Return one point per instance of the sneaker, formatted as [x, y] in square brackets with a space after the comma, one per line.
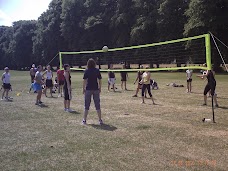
[83, 122]
[59, 95]
[101, 122]
[40, 102]
[37, 104]
[70, 110]
[135, 96]
[66, 110]
[217, 105]
[204, 104]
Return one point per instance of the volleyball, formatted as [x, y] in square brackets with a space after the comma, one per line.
[105, 48]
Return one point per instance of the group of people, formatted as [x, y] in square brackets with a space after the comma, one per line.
[92, 85]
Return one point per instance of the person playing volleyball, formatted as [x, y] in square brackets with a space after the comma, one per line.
[211, 85]
[37, 85]
[189, 80]
[67, 88]
[92, 87]
[6, 83]
[49, 82]
[146, 85]
[138, 78]
[60, 81]
[111, 79]
[124, 77]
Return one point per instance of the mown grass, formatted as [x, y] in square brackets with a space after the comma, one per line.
[166, 136]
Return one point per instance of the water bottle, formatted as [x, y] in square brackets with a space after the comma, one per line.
[206, 120]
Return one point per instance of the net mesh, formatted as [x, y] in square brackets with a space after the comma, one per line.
[162, 56]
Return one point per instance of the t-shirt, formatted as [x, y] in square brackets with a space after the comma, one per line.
[38, 77]
[92, 75]
[145, 77]
[111, 74]
[33, 71]
[49, 75]
[6, 78]
[189, 73]
[60, 74]
[123, 74]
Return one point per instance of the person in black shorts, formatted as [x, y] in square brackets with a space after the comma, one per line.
[67, 88]
[138, 78]
[211, 85]
[124, 77]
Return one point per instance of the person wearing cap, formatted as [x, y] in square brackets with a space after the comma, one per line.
[6, 83]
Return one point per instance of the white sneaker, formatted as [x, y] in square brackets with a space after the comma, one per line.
[66, 110]
[59, 95]
[70, 110]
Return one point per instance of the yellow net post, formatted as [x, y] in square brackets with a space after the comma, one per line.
[208, 51]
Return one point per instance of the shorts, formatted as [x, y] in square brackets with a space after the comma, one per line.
[7, 86]
[66, 93]
[209, 87]
[61, 82]
[139, 86]
[96, 99]
[189, 80]
[111, 81]
[37, 87]
[32, 78]
[49, 84]
[124, 79]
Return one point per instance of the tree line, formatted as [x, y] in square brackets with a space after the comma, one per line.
[76, 25]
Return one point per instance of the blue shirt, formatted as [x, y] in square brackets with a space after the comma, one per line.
[92, 75]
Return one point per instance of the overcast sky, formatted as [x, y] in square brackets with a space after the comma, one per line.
[14, 10]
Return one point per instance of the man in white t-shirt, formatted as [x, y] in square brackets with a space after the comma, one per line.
[6, 83]
[189, 80]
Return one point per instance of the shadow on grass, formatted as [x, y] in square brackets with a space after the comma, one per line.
[43, 106]
[223, 107]
[74, 112]
[105, 127]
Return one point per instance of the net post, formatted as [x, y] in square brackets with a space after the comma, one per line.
[208, 51]
[60, 61]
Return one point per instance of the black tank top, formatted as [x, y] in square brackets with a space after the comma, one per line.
[65, 82]
[211, 78]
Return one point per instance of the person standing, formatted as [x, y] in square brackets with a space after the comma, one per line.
[32, 75]
[67, 88]
[37, 85]
[92, 87]
[6, 84]
[60, 81]
[211, 86]
[111, 79]
[189, 80]
[49, 82]
[138, 78]
[146, 85]
[124, 77]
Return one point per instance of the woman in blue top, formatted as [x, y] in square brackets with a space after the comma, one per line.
[92, 87]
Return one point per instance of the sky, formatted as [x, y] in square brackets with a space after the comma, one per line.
[15, 10]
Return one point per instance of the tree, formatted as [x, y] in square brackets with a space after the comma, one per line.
[204, 16]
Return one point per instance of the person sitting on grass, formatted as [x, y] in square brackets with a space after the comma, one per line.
[211, 86]
[6, 84]
[92, 87]
[138, 78]
[124, 77]
[146, 85]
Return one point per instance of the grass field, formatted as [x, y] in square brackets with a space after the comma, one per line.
[140, 137]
